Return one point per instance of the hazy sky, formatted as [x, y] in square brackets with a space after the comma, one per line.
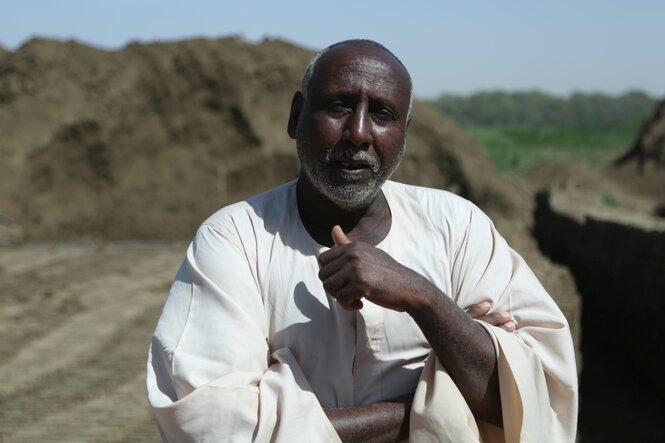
[461, 46]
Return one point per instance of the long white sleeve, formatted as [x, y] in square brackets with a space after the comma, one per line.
[210, 375]
[536, 363]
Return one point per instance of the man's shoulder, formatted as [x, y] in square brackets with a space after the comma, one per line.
[427, 197]
[439, 207]
[271, 201]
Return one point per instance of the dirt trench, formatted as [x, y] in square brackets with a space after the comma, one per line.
[618, 261]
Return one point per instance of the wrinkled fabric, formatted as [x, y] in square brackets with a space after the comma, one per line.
[249, 347]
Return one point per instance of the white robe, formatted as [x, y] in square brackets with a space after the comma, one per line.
[249, 347]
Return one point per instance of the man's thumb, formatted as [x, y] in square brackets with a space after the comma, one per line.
[339, 237]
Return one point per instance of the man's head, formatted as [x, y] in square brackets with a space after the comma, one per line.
[349, 121]
[309, 70]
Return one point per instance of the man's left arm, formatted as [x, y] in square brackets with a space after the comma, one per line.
[354, 270]
[534, 366]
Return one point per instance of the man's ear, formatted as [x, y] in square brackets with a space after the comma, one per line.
[294, 114]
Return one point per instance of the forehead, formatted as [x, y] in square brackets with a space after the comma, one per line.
[359, 68]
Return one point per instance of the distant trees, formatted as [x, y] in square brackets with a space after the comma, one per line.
[536, 108]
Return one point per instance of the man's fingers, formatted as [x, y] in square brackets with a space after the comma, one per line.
[330, 255]
[329, 268]
[352, 305]
[501, 319]
[334, 283]
[339, 237]
[509, 326]
[497, 318]
[477, 311]
[348, 299]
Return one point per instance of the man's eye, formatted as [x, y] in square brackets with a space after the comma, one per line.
[337, 106]
[383, 115]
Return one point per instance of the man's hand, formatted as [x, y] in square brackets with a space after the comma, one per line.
[351, 271]
[500, 319]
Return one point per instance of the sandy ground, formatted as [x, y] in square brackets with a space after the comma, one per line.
[75, 323]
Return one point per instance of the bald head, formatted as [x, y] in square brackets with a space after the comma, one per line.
[370, 49]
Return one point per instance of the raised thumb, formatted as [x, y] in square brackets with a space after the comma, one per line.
[339, 237]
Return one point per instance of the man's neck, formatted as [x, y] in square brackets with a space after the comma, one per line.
[369, 224]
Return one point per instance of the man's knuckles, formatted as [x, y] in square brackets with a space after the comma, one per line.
[333, 284]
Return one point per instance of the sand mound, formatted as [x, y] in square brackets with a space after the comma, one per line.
[649, 146]
[642, 168]
[144, 142]
[147, 141]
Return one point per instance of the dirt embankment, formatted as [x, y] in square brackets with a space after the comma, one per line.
[648, 149]
[147, 141]
[641, 170]
[618, 261]
[608, 228]
[144, 142]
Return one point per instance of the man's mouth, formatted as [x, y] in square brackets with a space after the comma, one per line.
[353, 165]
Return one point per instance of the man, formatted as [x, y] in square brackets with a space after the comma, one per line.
[315, 311]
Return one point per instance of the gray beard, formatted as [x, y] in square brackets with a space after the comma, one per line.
[349, 195]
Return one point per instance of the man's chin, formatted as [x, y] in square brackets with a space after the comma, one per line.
[351, 196]
[347, 193]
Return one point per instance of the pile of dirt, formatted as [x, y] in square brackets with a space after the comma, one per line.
[648, 150]
[147, 141]
[642, 168]
[144, 142]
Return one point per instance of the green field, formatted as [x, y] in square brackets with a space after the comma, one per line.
[521, 129]
[517, 150]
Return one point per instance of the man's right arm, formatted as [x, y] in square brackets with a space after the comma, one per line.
[210, 375]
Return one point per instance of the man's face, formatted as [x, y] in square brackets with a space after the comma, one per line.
[351, 128]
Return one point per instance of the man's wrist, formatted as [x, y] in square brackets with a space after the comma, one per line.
[377, 422]
[423, 299]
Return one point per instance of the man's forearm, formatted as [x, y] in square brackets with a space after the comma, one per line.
[464, 348]
[386, 421]
[353, 271]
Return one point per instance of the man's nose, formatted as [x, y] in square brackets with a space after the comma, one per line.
[358, 127]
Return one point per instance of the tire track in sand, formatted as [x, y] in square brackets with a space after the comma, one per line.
[84, 380]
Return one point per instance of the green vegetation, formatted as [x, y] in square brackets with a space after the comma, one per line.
[516, 149]
[523, 129]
